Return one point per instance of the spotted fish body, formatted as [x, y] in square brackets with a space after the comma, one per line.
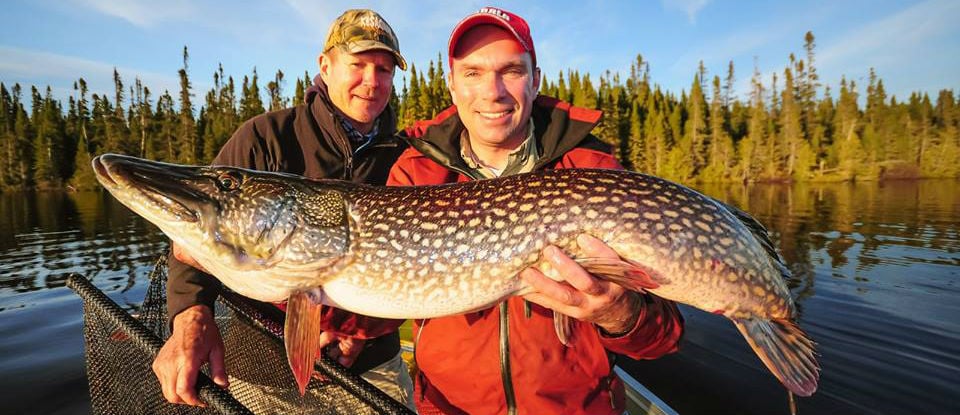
[440, 250]
[429, 251]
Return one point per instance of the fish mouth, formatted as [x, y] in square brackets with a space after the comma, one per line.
[162, 189]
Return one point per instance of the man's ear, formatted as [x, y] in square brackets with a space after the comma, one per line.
[450, 89]
[323, 61]
[536, 79]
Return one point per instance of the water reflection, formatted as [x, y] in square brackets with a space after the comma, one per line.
[875, 270]
[49, 235]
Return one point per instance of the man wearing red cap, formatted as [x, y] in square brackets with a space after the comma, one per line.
[507, 358]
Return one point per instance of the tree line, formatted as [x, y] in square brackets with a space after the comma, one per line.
[789, 128]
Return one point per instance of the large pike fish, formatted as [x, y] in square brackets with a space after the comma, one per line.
[429, 251]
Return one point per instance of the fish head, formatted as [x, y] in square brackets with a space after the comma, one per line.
[230, 219]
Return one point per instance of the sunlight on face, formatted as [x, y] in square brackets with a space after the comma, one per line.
[493, 83]
[359, 84]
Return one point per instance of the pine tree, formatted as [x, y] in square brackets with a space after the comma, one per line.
[546, 89]
[638, 85]
[167, 119]
[582, 91]
[439, 86]
[922, 126]
[728, 86]
[945, 157]
[143, 116]
[430, 98]
[426, 106]
[250, 104]
[846, 151]
[114, 132]
[43, 163]
[187, 129]
[411, 99]
[695, 131]
[8, 166]
[799, 156]
[298, 92]
[83, 176]
[636, 156]
[100, 115]
[563, 93]
[275, 92]
[822, 136]
[400, 104]
[678, 166]
[749, 148]
[608, 130]
[656, 134]
[720, 156]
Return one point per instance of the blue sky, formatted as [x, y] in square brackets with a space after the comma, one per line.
[914, 45]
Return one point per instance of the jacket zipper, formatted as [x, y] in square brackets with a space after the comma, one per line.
[346, 148]
[367, 146]
[505, 360]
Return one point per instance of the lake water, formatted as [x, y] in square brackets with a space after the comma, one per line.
[876, 270]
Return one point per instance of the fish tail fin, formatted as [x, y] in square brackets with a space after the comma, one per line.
[563, 326]
[301, 336]
[786, 350]
[628, 274]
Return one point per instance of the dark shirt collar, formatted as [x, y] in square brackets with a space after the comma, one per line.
[357, 138]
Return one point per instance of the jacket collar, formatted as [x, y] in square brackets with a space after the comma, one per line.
[560, 128]
[329, 119]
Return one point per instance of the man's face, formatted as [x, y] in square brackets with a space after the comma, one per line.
[493, 83]
[359, 84]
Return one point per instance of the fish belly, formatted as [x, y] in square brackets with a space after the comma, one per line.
[442, 296]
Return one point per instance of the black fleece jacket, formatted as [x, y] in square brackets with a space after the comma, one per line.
[308, 140]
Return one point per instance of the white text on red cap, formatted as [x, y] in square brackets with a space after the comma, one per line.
[496, 12]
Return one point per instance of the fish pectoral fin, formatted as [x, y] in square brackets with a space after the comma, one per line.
[563, 326]
[631, 275]
[786, 350]
[301, 335]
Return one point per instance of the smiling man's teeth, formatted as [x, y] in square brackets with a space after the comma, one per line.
[492, 115]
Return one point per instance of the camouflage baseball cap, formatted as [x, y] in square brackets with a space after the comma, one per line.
[360, 30]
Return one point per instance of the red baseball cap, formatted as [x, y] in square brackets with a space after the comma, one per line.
[498, 17]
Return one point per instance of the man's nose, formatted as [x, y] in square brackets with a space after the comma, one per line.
[492, 86]
[370, 76]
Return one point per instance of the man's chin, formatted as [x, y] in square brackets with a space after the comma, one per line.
[367, 112]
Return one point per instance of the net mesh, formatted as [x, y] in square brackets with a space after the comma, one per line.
[121, 379]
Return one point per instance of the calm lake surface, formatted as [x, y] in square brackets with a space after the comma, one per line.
[876, 270]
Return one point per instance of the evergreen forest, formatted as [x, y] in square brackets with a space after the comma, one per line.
[790, 127]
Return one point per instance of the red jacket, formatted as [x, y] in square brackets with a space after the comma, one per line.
[474, 364]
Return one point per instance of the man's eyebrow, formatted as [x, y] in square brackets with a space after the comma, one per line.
[507, 65]
[515, 64]
[466, 66]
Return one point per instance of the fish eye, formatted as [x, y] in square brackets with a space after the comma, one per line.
[226, 181]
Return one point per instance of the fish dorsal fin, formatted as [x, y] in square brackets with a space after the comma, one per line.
[762, 235]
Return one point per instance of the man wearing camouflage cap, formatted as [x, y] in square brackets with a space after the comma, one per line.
[343, 130]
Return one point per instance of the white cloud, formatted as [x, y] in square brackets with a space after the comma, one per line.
[429, 25]
[144, 13]
[690, 7]
[30, 67]
[316, 15]
[894, 39]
